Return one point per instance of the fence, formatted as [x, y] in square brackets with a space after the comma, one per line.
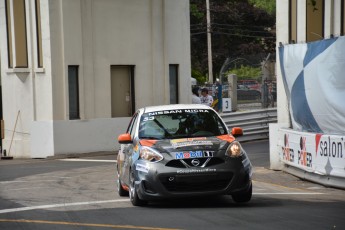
[247, 98]
[255, 124]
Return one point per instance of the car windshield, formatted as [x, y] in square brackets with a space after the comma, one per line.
[171, 124]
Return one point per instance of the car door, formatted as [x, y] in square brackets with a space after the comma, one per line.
[128, 149]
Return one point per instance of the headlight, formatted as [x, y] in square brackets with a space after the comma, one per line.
[234, 149]
[149, 154]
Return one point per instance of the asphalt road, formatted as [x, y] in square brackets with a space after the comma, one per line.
[80, 193]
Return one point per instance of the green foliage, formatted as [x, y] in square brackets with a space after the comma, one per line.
[267, 5]
[246, 72]
[194, 11]
[199, 76]
[239, 28]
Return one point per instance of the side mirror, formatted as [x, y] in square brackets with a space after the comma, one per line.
[237, 131]
[125, 138]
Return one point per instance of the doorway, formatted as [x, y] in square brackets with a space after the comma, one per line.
[122, 91]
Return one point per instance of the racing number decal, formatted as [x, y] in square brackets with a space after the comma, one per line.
[226, 104]
[148, 119]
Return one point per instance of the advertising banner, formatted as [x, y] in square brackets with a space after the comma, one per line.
[317, 153]
[313, 76]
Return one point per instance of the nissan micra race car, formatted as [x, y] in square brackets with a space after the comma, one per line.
[175, 151]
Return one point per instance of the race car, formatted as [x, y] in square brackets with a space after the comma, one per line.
[183, 150]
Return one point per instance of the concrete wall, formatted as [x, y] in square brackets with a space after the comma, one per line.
[282, 22]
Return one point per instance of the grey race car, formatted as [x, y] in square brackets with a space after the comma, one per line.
[174, 151]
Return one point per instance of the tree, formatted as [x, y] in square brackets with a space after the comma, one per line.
[246, 72]
[239, 28]
[267, 5]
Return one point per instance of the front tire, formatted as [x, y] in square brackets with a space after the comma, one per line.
[244, 196]
[133, 195]
[120, 190]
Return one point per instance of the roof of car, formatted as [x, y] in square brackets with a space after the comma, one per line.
[174, 107]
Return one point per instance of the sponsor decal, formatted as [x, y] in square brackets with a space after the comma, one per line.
[317, 141]
[304, 158]
[165, 112]
[177, 143]
[148, 143]
[288, 153]
[178, 111]
[188, 171]
[196, 111]
[136, 147]
[193, 154]
[142, 168]
[322, 154]
[331, 148]
[208, 153]
[226, 137]
[187, 139]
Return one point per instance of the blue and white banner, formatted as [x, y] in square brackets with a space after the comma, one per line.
[314, 80]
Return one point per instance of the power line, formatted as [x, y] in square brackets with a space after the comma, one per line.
[234, 34]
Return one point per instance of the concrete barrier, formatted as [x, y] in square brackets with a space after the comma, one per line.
[316, 157]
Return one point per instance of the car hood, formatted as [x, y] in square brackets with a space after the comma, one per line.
[190, 144]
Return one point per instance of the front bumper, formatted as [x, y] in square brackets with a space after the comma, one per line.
[160, 181]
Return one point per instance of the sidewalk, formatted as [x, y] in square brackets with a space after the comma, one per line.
[59, 156]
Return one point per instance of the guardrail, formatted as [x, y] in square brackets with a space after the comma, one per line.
[255, 124]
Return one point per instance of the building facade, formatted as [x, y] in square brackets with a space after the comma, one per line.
[74, 71]
[308, 140]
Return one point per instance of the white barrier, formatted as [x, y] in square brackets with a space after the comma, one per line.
[323, 155]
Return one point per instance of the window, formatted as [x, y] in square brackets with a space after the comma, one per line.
[73, 92]
[185, 123]
[19, 23]
[342, 18]
[315, 20]
[39, 34]
[173, 80]
[17, 50]
[293, 20]
[9, 34]
[132, 126]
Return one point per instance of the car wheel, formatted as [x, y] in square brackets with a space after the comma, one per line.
[244, 196]
[133, 195]
[120, 189]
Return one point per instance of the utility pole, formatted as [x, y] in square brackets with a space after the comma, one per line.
[209, 44]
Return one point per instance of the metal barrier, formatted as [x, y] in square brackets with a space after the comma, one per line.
[255, 124]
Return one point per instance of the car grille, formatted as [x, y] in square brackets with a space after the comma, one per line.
[179, 163]
[196, 183]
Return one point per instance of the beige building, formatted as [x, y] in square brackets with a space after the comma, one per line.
[74, 71]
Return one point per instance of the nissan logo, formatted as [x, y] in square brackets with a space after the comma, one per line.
[195, 162]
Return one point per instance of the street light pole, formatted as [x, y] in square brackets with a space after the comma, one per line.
[209, 44]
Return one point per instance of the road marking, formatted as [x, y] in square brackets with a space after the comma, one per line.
[284, 187]
[89, 160]
[126, 200]
[287, 193]
[84, 224]
[22, 181]
[31, 188]
[61, 205]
